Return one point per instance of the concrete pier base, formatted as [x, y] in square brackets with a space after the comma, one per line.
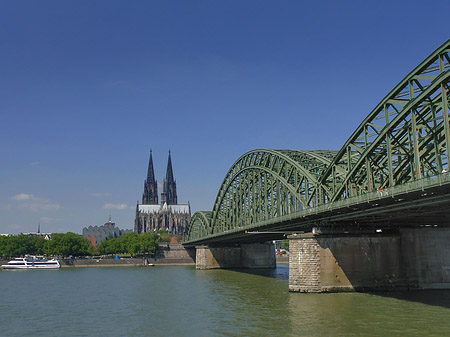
[409, 259]
[254, 255]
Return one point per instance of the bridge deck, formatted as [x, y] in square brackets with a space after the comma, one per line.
[425, 202]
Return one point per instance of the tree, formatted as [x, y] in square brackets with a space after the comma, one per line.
[60, 244]
[68, 244]
[285, 244]
[3, 240]
[148, 243]
[21, 245]
[131, 243]
[163, 235]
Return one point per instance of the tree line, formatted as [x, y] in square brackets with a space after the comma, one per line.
[73, 244]
[131, 243]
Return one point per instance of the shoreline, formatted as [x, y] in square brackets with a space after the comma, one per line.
[123, 262]
[132, 262]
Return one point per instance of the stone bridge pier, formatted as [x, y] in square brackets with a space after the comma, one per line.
[410, 258]
[252, 255]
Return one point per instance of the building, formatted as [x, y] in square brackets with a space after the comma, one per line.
[168, 215]
[96, 234]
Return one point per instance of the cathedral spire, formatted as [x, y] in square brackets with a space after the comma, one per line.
[169, 173]
[169, 192]
[150, 195]
[150, 171]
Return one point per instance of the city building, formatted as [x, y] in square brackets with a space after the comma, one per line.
[96, 234]
[168, 215]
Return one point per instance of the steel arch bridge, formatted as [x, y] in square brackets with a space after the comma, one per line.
[404, 140]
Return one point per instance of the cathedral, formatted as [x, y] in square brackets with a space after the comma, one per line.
[168, 215]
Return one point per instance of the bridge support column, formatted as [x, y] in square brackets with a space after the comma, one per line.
[409, 259]
[253, 255]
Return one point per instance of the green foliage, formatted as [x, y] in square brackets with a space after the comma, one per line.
[68, 244]
[60, 244]
[131, 243]
[285, 244]
[21, 245]
[75, 245]
[163, 235]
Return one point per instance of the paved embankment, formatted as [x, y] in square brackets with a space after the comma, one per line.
[123, 262]
[169, 254]
[133, 262]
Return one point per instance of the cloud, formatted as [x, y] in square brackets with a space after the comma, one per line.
[100, 194]
[113, 206]
[34, 163]
[30, 202]
[23, 196]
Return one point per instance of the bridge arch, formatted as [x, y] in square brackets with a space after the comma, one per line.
[199, 225]
[405, 138]
[263, 184]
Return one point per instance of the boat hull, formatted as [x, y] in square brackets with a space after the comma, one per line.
[5, 266]
[31, 263]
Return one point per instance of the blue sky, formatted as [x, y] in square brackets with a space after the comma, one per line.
[88, 87]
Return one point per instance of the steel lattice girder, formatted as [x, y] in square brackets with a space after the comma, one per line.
[263, 184]
[405, 138]
[199, 225]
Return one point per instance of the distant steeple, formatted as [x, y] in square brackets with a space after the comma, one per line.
[169, 188]
[150, 195]
[169, 172]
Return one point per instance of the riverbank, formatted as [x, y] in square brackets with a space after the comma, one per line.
[169, 254]
[133, 262]
[123, 262]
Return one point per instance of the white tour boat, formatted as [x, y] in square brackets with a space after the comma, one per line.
[32, 262]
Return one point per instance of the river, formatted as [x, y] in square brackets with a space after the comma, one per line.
[180, 301]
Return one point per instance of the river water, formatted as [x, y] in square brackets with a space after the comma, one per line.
[180, 301]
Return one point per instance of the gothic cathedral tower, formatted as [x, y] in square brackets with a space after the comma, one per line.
[169, 215]
[150, 195]
[169, 186]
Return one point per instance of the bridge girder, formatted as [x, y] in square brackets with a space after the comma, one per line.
[405, 138]
[199, 225]
[263, 184]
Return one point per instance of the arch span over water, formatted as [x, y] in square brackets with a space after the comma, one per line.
[406, 137]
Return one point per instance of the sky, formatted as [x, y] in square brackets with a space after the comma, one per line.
[87, 88]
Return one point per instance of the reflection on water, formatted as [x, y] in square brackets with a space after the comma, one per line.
[180, 301]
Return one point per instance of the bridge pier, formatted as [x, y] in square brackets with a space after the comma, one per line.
[413, 258]
[253, 255]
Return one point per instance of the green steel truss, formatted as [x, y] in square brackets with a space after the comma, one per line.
[199, 225]
[404, 139]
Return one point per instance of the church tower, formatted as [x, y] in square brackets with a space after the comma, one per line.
[169, 215]
[169, 186]
[150, 195]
